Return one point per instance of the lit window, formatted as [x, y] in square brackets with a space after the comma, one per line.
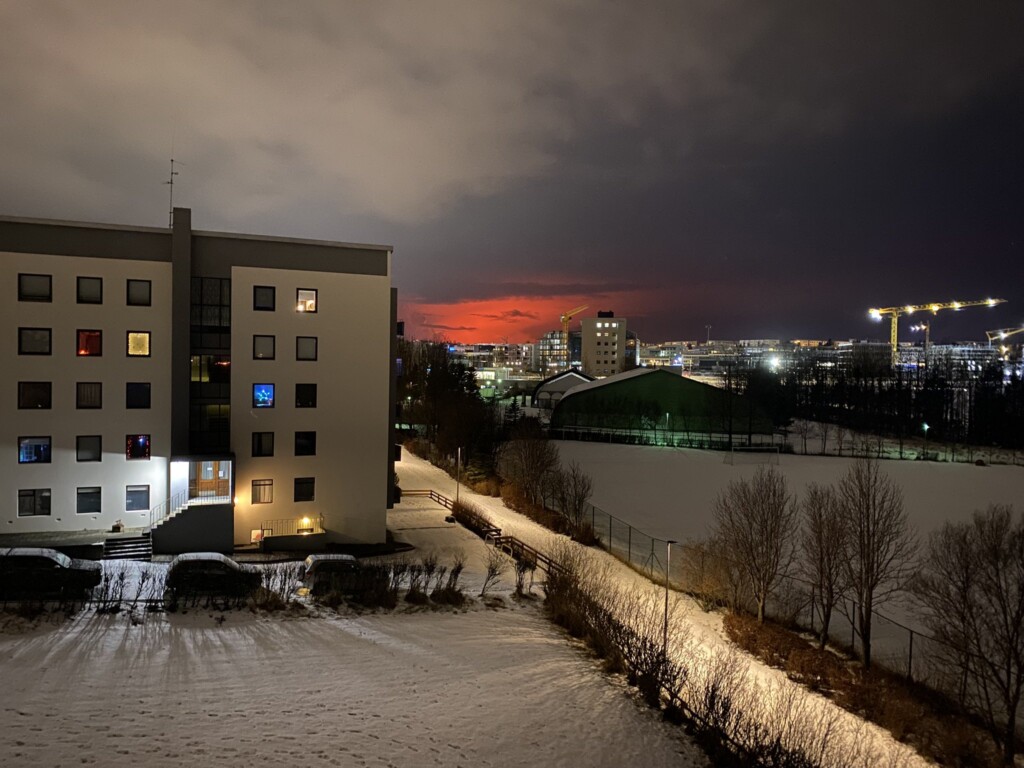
[263, 298]
[262, 347]
[34, 341]
[90, 290]
[89, 500]
[304, 488]
[137, 447]
[89, 394]
[262, 491]
[136, 498]
[138, 343]
[306, 300]
[33, 450]
[89, 448]
[35, 288]
[262, 395]
[90, 343]
[139, 293]
[262, 443]
[34, 394]
[305, 443]
[305, 347]
[34, 501]
[137, 394]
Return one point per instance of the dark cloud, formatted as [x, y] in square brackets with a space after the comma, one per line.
[509, 316]
[768, 168]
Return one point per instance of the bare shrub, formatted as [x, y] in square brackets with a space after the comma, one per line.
[572, 489]
[496, 565]
[524, 565]
[527, 460]
[109, 595]
[823, 541]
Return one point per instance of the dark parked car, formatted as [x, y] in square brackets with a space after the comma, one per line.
[332, 573]
[209, 573]
[27, 572]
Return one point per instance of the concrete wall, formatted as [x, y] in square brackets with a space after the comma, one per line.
[63, 421]
[201, 528]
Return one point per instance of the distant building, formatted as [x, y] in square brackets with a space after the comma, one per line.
[603, 345]
[552, 389]
[198, 385]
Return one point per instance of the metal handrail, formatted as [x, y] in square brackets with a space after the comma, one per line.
[166, 508]
[292, 526]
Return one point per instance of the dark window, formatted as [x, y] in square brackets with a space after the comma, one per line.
[34, 341]
[304, 487]
[262, 491]
[262, 443]
[138, 343]
[34, 450]
[89, 448]
[263, 298]
[90, 290]
[262, 395]
[262, 347]
[136, 447]
[88, 500]
[90, 343]
[305, 347]
[136, 498]
[35, 394]
[305, 395]
[140, 293]
[89, 394]
[305, 300]
[35, 288]
[34, 501]
[305, 443]
[137, 394]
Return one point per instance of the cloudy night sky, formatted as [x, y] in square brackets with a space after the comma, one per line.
[770, 169]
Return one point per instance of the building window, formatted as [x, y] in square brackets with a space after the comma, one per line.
[136, 447]
[34, 341]
[262, 395]
[138, 343]
[136, 498]
[89, 448]
[89, 394]
[262, 443]
[305, 347]
[305, 300]
[139, 293]
[90, 343]
[34, 450]
[305, 443]
[305, 395]
[35, 288]
[304, 487]
[262, 491]
[34, 501]
[137, 394]
[35, 394]
[88, 500]
[263, 298]
[262, 347]
[90, 290]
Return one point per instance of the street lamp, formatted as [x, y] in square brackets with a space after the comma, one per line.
[458, 473]
[668, 570]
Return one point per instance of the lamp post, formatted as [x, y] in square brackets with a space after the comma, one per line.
[668, 570]
[458, 473]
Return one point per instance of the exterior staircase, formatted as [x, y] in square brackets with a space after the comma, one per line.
[138, 548]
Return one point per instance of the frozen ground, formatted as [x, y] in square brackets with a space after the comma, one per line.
[482, 687]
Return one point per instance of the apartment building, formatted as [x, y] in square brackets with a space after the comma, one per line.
[604, 345]
[215, 389]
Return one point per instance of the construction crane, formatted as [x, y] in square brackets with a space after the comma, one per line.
[1002, 333]
[566, 319]
[934, 308]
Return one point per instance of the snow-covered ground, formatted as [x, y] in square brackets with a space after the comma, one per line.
[480, 687]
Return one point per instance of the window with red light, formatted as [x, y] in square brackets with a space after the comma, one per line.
[90, 343]
[136, 447]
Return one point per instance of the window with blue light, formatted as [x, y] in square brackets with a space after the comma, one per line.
[262, 395]
[33, 450]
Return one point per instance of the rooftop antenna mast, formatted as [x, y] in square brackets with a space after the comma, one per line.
[170, 184]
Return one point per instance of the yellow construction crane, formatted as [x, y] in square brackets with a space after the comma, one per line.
[1002, 333]
[566, 318]
[934, 308]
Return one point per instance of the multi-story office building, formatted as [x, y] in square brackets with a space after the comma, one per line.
[203, 384]
[603, 345]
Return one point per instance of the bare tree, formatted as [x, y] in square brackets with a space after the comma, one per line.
[823, 539]
[528, 460]
[824, 428]
[971, 584]
[573, 488]
[880, 544]
[496, 565]
[841, 434]
[755, 519]
[805, 429]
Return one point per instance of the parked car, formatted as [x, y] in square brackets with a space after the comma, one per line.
[209, 573]
[27, 572]
[331, 573]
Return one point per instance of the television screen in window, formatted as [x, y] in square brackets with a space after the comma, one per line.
[262, 395]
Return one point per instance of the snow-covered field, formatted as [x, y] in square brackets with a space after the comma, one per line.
[483, 687]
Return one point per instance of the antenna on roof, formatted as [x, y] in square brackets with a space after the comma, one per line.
[170, 184]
